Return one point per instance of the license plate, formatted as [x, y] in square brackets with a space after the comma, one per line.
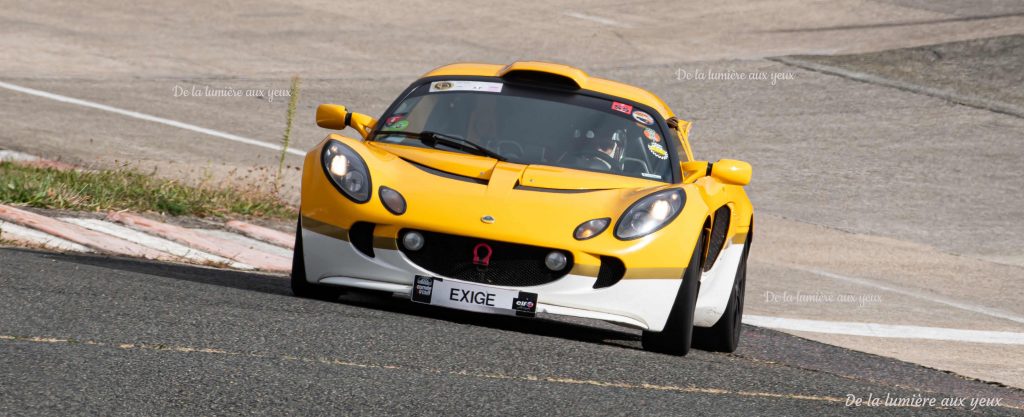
[472, 297]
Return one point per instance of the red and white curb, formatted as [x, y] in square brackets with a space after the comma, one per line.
[72, 232]
[132, 235]
[7, 155]
[275, 237]
[30, 237]
[153, 242]
[15, 156]
[199, 239]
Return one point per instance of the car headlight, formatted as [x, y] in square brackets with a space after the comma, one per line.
[650, 214]
[347, 171]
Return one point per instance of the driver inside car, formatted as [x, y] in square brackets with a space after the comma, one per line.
[601, 151]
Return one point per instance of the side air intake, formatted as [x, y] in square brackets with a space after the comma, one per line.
[611, 272]
[361, 236]
[719, 230]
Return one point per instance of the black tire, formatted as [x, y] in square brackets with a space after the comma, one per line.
[301, 287]
[724, 336]
[675, 338]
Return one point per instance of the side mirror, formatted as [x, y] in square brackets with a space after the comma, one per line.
[337, 117]
[731, 171]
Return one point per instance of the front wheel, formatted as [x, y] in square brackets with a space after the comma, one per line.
[675, 338]
[300, 286]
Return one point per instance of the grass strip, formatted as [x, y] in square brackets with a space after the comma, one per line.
[127, 189]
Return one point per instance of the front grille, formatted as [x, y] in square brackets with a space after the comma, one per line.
[511, 264]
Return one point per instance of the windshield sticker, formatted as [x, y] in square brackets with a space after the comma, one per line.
[652, 135]
[397, 125]
[481, 86]
[622, 107]
[646, 175]
[393, 119]
[657, 150]
[643, 117]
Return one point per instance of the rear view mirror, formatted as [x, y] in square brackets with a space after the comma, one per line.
[731, 171]
[337, 117]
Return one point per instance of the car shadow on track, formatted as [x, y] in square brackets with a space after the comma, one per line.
[584, 331]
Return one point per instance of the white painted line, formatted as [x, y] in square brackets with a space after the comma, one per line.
[248, 242]
[885, 330]
[154, 242]
[596, 19]
[15, 156]
[988, 311]
[20, 234]
[150, 118]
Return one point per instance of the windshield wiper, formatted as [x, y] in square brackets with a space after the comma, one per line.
[432, 139]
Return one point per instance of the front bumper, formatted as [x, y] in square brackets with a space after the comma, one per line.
[640, 303]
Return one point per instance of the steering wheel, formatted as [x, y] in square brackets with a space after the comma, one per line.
[596, 160]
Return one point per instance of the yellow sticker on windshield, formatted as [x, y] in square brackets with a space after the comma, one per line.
[657, 150]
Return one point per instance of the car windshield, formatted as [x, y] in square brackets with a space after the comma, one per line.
[531, 126]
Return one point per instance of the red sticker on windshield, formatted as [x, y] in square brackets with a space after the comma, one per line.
[622, 107]
[652, 135]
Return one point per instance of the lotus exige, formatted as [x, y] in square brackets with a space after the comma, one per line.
[529, 188]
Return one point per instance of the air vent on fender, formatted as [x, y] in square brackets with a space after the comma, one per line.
[719, 230]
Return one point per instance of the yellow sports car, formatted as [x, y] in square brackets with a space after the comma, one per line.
[529, 188]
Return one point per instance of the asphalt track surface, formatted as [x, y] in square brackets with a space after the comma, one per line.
[101, 336]
[852, 178]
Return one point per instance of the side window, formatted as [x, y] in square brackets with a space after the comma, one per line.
[677, 143]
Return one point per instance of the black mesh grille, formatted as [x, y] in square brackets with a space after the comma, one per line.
[510, 264]
[718, 234]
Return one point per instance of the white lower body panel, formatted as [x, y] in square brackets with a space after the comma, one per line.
[640, 303]
[716, 286]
